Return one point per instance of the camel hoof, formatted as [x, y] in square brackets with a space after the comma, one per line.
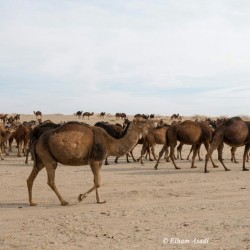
[215, 166]
[64, 203]
[32, 204]
[151, 159]
[177, 168]
[206, 171]
[200, 159]
[81, 197]
[101, 202]
[194, 167]
[245, 169]
[227, 169]
[156, 167]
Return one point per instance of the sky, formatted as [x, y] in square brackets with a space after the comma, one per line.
[135, 56]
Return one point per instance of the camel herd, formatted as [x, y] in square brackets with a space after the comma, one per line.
[77, 143]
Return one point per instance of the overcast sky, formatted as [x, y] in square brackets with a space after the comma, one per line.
[162, 56]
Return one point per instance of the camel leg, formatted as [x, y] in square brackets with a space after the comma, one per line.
[153, 153]
[233, 158]
[220, 150]
[196, 148]
[27, 155]
[95, 167]
[206, 144]
[116, 160]
[179, 149]
[51, 169]
[245, 156]
[172, 156]
[166, 156]
[163, 150]
[143, 150]
[20, 146]
[106, 161]
[127, 156]
[1, 154]
[200, 159]
[36, 169]
[132, 155]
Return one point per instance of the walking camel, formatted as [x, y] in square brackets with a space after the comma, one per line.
[187, 132]
[234, 132]
[155, 136]
[76, 144]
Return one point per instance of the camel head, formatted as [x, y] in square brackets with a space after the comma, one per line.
[144, 125]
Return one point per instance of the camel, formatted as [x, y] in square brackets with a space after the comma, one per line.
[38, 114]
[102, 114]
[76, 144]
[4, 136]
[187, 132]
[234, 132]
[155, 136]
[3, 117]
[87, 114]
[21, 135]
[79, 114]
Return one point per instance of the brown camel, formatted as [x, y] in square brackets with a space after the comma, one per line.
[4, 136]
[76, 144]
[235, 133]
[87, 114]
[38, 114]
[155, 136]
[187, 132]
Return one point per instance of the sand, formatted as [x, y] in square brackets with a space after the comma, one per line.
[145, 209]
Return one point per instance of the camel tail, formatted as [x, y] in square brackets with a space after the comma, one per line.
[98, 151]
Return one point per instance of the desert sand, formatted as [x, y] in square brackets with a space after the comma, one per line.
[145, 208]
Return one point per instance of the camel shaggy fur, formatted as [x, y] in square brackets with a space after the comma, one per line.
[76, 144]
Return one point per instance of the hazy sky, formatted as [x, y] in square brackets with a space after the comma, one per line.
[149, 56]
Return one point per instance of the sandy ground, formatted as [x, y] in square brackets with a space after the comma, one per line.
[145, 209]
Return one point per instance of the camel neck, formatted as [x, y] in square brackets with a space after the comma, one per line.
[120, 147]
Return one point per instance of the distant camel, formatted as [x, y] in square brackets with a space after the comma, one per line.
[79, 114]
[76, 144]
[187, 132]
[87, 114]
[174, 116]
[234, 132]
[38, 114]
[102, 114]
[3, 117]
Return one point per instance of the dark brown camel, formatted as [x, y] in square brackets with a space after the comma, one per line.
[38, 114]
[87, 114]
[187, 132]
[102, 114]
[235, 133]
[76, 144]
